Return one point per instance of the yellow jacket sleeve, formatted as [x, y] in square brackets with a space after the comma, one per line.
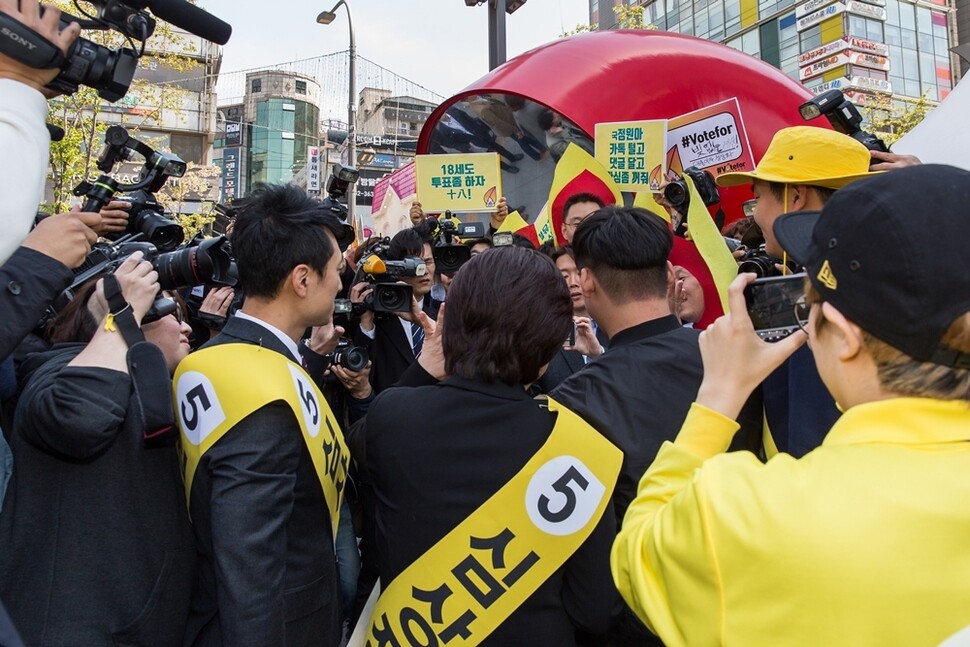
[663, 560]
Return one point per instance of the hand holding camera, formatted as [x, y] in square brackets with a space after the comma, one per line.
[736, 360]
[66, 237]
[48, 26]
[584, 339]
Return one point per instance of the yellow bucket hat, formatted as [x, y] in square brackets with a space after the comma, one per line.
[808, 155]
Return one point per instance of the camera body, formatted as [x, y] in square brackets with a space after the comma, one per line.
[677, 194]
[844, 117]
[449, 253]
[147, 216]
[771, 305]
[348, 356]
[382, 274]
[758, 261]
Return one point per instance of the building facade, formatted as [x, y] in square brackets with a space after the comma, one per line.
[872, 50]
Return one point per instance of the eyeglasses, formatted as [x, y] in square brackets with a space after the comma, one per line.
[802, 309]
[748, 208]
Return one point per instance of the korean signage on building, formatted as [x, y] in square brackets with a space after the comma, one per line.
[864, 83]
[865, 9]
[824, 51]
[365, 185]
[863, 45]
[630, 150]
[233, 133]
[816, 17]
[230, 174]
[819, 67]
[313, 170]
[811, 6]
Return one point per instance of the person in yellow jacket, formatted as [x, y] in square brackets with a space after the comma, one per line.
[864, 540]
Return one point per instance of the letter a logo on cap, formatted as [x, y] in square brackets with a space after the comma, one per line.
[826, 277]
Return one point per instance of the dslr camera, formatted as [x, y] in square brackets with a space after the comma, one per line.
[677, 194]
[350, 357]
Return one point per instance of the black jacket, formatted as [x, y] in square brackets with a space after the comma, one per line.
[97, 548]
[390, 350]
[267, 574]
[29, 281]
[434, 463]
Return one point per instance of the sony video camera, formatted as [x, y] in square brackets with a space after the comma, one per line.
[109, 71]
[448, 250]
[382, 274]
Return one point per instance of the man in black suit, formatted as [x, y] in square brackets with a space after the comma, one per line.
[638, 393]
[267, 573]
[393, 341]
[589, 339]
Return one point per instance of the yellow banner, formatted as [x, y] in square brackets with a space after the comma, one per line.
[468, 583]
[459, 183]
[706, 236]
[633, 152]
[217, 387]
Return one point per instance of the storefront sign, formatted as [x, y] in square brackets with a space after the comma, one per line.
[230, 174]
[816, 17]
[313, 170]
[865, 9]
[824, 51]
[819, 67]
[870, 61]
[863, 45]
[811, 6]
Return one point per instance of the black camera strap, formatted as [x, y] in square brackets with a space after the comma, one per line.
[147, 368]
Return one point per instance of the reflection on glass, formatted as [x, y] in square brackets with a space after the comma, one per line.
[528, 137]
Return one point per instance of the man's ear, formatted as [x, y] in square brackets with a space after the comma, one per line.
[299, 280]
[849, 334]
[798, 194]
[587, 282]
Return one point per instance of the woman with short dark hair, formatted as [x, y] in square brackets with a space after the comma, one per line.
[438, 453]
[97, 546]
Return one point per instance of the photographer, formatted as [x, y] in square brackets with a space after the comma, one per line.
[93, 506]
[24, 138]
[497, 339]
[394, 340]
[863, 540]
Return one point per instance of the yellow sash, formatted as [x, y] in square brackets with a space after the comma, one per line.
[468, 583]
[216, 387]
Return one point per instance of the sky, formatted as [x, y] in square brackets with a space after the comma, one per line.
[439, 44]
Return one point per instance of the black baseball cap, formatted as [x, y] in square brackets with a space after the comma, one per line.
[892, 253]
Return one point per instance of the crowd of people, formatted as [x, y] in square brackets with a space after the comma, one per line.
[541, 450]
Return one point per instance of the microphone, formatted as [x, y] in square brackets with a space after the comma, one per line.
[192, 19]
[56, 132]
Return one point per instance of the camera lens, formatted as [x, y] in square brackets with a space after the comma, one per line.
[163, 233]
[758, 264]
[676, 193]
[392, 298]
[353, 359]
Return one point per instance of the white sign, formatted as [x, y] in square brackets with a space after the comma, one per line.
[864, 83]
[815, 18]
[865, 9]
[313, 169]
[834, 47]
[822, 66]
[811, 6]
[863, 45]
[869, 60]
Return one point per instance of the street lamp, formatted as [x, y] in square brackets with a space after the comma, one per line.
[325, 18]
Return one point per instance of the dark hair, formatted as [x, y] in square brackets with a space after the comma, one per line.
[559, 252]
[480, 241]
[508, 313]
[518, 240]
[778, 190]
[407, 242]
[581, 197]
[74, 323]
[277, 228]
[547, 248]
[545, 119]
[627, 249]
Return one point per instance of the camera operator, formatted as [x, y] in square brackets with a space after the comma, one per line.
[862, 541]
[395, 340]
[24, 138]
[507, 314]
[97, 542]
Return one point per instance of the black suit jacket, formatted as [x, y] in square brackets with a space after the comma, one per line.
[564, 363]
[432, 465]
[267, 574]
[390, 350]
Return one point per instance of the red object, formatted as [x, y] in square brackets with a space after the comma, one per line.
[585, 182]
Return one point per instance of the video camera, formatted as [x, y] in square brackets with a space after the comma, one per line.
[382, 274]
[109, 71]
[844, 117]
[448, 251]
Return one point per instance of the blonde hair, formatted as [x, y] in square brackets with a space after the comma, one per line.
[903, 375]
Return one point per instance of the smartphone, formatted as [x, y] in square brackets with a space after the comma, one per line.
[571, 339]
[771, 305]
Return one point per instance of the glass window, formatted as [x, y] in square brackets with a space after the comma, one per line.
[300, 87]
[909, 38]
[893, 37]
[732, 10]
[810, 38]
[911, 88]
[874, 30]
[907, 17]
[750, 43]
[257, 85]
[910, 64]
